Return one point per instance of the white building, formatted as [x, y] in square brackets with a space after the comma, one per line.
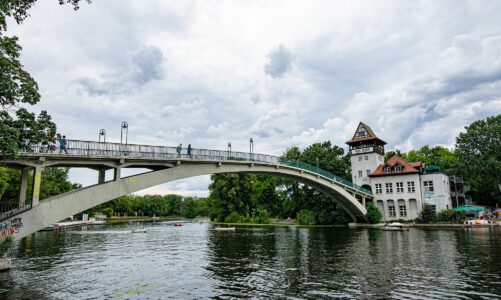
[400, 188]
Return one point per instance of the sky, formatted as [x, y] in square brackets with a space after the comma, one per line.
[286, 73]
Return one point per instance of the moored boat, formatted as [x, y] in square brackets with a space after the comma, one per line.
[395, 227]
[224, 228]
[138, 230]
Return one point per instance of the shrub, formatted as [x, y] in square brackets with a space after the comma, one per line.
[233, 217]
[108, 211]
[427, 215]
[261, 217]
[449, 215]
[373, 215]
[306, 217]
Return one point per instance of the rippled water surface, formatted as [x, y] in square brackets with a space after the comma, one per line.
[194, 262]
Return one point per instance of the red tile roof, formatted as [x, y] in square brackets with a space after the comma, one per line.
[407, 167]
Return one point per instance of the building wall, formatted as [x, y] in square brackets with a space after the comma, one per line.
[411, 200]
[363, 162]
[441, 194]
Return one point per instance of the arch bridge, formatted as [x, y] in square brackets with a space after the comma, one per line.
[25, 216]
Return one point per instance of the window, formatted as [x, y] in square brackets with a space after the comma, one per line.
[367, 157]
[387, 169]
[368, 172]
[428, 186]
[379, 188]
[400, 187]
[360, 158]
[410, 187]
[398, 168]
[402, 210]
[359, 174]
[391, 210]
[389, 188]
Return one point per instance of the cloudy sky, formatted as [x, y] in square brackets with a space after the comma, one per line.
[287, 73]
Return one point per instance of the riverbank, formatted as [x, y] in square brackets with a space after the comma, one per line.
[119, 220]
[431, 225]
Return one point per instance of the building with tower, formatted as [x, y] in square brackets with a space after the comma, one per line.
[401, 189]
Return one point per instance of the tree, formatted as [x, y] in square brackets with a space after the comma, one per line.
[20, 128]
[479, 158]
[373, 215]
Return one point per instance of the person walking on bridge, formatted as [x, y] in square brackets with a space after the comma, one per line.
[62, 145]
[179, 149]
[189, 150]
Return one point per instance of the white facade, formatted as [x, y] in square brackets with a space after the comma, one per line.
[436, 191]
[398, 196]
[363, 164]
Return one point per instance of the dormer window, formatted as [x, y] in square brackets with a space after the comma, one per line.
[398, 168]
[387, 169]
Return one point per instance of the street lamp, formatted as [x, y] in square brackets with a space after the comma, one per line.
[251, 147]
[124, 129]
[102, 133]
[229, 149]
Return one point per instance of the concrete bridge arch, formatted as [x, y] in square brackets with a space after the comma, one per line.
[59, 207]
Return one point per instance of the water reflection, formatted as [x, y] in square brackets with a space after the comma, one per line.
[284, 262]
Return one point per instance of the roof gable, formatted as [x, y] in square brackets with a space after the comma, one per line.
[364, 133]
[407, 168]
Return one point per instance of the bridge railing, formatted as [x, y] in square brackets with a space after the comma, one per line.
[317, 170]
[90, 148]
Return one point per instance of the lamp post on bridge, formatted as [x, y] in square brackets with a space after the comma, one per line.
[251, 147]
[102, 133]
[124, 128]
[229, 149]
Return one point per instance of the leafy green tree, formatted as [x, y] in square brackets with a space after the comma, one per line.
[373, 215]
[479, 158]
[427, 215]
[20, 128]
[189, 208]
[306, 217]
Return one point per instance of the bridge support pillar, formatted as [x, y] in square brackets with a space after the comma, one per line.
[23, 187]
[37, 180]
[363, 201]
[102, 176]
[117, 173]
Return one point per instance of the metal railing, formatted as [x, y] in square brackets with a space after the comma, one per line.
[90, 148]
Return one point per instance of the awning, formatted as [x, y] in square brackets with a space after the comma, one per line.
[469, 208]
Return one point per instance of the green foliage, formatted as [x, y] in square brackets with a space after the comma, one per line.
[479, 158]
[20, 128]
[153, 205]
[373, 215]
[233, 217]
[427, 215]
[261, 217]
[306, 217]
[449, 215]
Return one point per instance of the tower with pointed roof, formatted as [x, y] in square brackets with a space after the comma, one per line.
[367, 153]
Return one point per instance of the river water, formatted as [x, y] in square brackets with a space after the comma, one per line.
[195, 262]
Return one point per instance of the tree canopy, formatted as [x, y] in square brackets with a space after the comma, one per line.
[20, 128]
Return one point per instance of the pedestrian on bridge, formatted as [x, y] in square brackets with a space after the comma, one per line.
[62, 145]
[189, 150]
[179, 149]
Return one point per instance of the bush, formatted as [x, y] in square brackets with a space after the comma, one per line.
[373, 215]
[446, 216]
[108, 211]
[261, 217]
[233, 217]
[306, 217]
[427, 215]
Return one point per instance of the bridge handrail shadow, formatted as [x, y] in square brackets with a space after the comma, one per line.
[91, 148]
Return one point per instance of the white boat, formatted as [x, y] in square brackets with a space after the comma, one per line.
[395, 227]
[138, 230]
[224, 228]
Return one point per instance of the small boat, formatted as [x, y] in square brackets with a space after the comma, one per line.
[138, 230]
[178, 224]
[224, 228]
[395, 227]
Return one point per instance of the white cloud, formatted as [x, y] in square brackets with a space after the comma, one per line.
[285, 73]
